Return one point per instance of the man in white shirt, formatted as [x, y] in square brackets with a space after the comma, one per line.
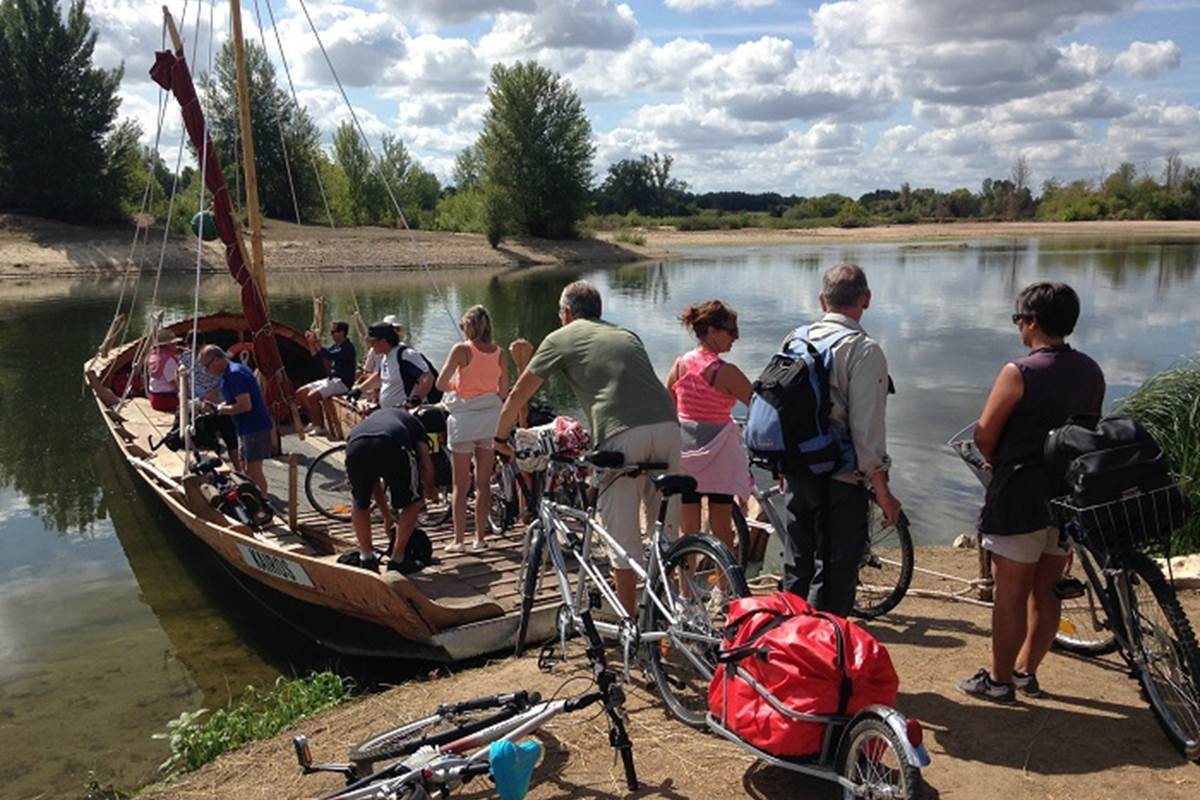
[404, 379]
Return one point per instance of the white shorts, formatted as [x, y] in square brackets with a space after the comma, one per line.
[623, 501]
[1024, 548]
[327, 387]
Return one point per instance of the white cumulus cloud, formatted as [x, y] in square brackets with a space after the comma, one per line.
[1147, 59]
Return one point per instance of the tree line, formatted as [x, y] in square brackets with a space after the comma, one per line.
[530, 172]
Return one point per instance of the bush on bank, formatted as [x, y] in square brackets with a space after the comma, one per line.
[1169, 406]
[257, 715]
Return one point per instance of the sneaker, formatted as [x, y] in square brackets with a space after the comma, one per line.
[479, 544]
[456, 547]
[981, 685]
[370, 564]
[1027, 683]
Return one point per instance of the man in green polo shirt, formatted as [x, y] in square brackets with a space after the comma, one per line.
[627, 407]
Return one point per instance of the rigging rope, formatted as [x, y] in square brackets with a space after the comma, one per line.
[287, 164]
[379, 168]
[360, 326]
[187, 436]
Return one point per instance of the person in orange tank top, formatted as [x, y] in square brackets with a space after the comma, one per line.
[476, 375]
[705, 389]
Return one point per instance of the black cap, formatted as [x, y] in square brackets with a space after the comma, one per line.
[382, 330]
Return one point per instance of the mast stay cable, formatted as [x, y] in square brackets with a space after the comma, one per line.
[379, 168]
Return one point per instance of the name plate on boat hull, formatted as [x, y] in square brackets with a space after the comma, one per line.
[274, 565]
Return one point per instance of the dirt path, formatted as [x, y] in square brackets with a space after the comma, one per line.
[1091, 738]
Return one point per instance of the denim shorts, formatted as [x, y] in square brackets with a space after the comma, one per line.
[255, 446]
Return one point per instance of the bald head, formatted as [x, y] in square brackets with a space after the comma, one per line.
[844, 289]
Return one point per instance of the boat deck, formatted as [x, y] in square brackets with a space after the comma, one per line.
[456, 582]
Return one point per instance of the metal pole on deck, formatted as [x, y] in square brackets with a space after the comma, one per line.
[293, 490]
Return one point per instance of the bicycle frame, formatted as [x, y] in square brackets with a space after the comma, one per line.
[553, 518]
[1114, 591]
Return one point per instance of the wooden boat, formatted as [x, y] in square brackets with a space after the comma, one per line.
[462, 606]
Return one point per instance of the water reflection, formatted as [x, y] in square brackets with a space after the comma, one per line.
[113, 616]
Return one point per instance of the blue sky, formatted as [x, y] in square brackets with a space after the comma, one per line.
[758, 95]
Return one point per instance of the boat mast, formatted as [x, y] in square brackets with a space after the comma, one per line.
[257, 269]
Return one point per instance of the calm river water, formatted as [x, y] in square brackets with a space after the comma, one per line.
[112, 620]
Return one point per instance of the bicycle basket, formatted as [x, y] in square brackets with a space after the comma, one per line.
[1136, 521]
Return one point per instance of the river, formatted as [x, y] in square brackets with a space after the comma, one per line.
[113, 620]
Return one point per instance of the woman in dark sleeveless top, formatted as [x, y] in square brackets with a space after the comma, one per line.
[1031, 395]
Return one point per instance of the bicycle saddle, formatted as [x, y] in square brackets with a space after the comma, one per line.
[671, 485]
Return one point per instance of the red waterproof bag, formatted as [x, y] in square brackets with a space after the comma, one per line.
[810, 661]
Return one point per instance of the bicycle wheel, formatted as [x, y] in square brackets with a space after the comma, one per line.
[1166, 656]
[886, 569]
[328, 488]
[448, 724]
[876, 762]
[535, 548]
[1084, 628]
[699, 579]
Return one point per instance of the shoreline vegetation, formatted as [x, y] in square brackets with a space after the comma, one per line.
[36, 247]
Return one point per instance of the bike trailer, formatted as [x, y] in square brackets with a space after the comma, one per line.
[778, 652]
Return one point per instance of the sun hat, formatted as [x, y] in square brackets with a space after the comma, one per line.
[166, 336]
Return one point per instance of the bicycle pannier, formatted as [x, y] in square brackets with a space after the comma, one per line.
[1101, 462]
[788, 422]
[1115, 480]
[809, 661]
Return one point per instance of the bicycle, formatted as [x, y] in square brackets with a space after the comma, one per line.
[686, 584]
[1137, 606]
[328, 487]
[885, 570]
[443, 751]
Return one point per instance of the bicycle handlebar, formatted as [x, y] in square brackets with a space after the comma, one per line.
[522, 699]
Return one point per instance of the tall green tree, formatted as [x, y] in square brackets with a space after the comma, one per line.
[537, 151]
[365, 194]
[271, 110]
[60, 155]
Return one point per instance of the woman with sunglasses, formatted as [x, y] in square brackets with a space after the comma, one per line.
[1031, 395]
[706, 388]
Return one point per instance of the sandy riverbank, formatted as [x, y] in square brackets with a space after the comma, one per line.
[666, 240]
[1092, 737]
[31, 247]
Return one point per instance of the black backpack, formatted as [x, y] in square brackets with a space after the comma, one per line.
[788, 424]
[1101, 460]
[410, 375]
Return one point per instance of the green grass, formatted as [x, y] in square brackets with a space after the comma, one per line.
[629, 237]
[257, 715]
[1168, 405]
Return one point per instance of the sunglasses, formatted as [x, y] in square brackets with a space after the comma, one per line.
[1018, 318]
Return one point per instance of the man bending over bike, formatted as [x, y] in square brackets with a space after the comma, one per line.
[628, 407]
[388, 447]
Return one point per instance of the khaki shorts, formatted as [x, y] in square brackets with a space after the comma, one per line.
[623, 501]
[1024, 548]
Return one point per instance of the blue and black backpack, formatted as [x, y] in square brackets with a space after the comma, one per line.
[789, 410]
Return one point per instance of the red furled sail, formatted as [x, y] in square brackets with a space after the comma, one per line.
[171, 72]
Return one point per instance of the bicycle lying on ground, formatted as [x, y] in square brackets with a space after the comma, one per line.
[885, 570]
[437, 754]
[686, 584]
[1133, 608]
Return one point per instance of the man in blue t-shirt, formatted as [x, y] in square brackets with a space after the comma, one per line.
[343, 363]
[244, 402]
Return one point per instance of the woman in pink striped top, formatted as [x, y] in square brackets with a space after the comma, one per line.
[706, 388]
